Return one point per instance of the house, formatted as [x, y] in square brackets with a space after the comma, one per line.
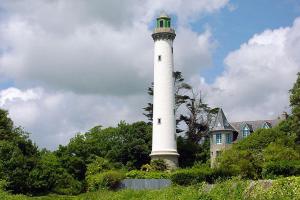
[224, 133]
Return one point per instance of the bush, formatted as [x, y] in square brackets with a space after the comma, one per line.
[147, 175]
[97, 166]
[191, 176]
[105, 180]
[67, 185]
[158, 165]
[281, 168]
[146, 168]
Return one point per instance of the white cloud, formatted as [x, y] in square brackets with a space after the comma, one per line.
[76, 64]
[95, 47]
[258, 75]
[54, 117]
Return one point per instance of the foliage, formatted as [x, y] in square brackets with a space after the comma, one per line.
[18, 155]
[249, 157]
[126, 145]
[286, 188]
[146, 168]
[158, 165]
[191, 153]
[233, 189]
[49, 176]
[295, 105]
[104, 180]
[191, 176]
[98, 165]
[147, 175]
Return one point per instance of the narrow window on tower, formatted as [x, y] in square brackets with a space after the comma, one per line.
[172, 49]
[159, 121]
[159, 58]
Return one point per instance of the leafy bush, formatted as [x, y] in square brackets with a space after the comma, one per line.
[147, 175]
[97, 166]
[191, 176]
[248, 157]
[146, 168]
[158, 165]
[281, 168]
[105, 180]
[67, 185]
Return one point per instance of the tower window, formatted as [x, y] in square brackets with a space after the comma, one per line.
[161, 23]
[159, 121]
[229, 138]
[159, 58]
[172, 49]
[218, 138]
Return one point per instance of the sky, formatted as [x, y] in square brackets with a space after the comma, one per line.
[69, 65]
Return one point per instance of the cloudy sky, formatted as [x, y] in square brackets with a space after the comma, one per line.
[68, 65]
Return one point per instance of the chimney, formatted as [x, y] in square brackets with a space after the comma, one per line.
[283, 116]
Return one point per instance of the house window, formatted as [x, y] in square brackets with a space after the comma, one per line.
[246, 132]
[159, 58]
[161, 23]
[159, 121]
[218, 138]
[229, 138]
[218, 153]
[266, 126]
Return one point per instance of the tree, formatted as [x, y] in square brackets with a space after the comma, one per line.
[197, 118]
[295, 105]
[256, 155]
[18, 155]
[49, 176]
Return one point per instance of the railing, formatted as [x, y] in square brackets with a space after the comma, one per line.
[167, 30]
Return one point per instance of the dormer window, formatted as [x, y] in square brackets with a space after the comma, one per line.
[218, 138]
[266, 125]
[246, 131]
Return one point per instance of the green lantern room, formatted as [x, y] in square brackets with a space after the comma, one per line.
[163, 21]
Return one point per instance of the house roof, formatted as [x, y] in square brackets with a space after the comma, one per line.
[254, 125]
[221, 122]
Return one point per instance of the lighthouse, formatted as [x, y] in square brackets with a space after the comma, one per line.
[164, 127]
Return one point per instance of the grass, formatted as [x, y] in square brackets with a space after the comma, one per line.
[281, 189]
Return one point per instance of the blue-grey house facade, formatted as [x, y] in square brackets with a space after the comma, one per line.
[223, 133]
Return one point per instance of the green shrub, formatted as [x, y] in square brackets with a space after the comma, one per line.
[98, 165]
[105, 180]
[281, 168]
[146, 168]
[158, 165]
[191, 176]
[67, 185]
[147, 175]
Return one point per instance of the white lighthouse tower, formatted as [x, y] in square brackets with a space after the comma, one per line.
[164, 127]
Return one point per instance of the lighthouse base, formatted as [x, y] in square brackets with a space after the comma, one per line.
[170, 158]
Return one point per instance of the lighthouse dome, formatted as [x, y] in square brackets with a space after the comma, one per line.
[163, 14]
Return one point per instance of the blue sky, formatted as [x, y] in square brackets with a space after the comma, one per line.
[248, 17]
